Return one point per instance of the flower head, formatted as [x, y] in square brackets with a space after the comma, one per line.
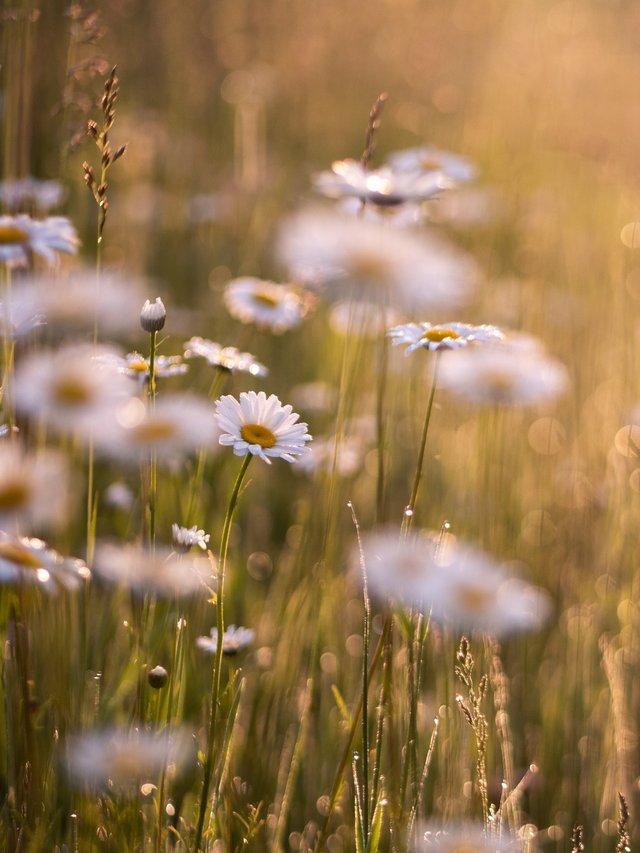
[464, 838]
[429, 159]
[21, 236]
[261, 426]
[31, 193]
[29, 561]
[136, 366]
[34, 488]
[184, 538]
[277, 307]
[442, 336]
[226, 358]
[233, 640]
[383, 187]
[153, 315]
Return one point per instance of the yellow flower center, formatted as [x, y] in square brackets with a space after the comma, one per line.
[367, 266]
[474, 598]
[429, 164]
[11, 234]
[13, 495]
[438, 335]
[266, 299]
[139, 365]
[258, 434]
[499, 381]
[154, 431]
[19, 555]
[71, 391]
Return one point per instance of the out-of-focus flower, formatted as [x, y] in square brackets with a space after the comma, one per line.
[178, 424]
[459, 585]
[429, 159]
[261, 426]
[344, 457]
[119, 496]
[136, 366]
[161, 572]
[502, 375]
[384, 187]
[153, 315]
[68, 388]
[442, 336]
[21, 237]
[31, 561]
[184, 538]
[119, 762]
[277, 307]
[18, 317]
[374, 263]
[405, 215]
[34, 489]
[226, 358]
[19, 194]
[315, 396]
[464, 838]
[233, 640]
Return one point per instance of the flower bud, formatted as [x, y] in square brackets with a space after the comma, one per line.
[157, 677]
[153, 315]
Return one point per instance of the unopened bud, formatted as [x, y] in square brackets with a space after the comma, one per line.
[153, 315]
[157, 677]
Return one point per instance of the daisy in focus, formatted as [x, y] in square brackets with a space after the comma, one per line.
[429, 159]
[225, 358]
[34, 489]
[442, 336]
[384, 187]
[21, 237]
[277, 307]
[31, 561]
[184, 538]
[367, 261]
[233, 640]
[503, 375]
[261, 426]
[161, 572]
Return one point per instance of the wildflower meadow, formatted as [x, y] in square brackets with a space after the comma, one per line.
[319, 427]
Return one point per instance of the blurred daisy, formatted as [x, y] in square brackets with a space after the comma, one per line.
[383, 187]
[429, 159]
[31, 561]
[177, 425]
[69, 388]
[31, 193]
[464, 838]
[21, 237]
[226, 358]
[367, 261]
[161, 572]
[233, 640]
[121, 761]
[404, 215]
[261, 426]
[184, 538]
[343, 457]
[276, 307]
[443, 336]
[503, 375]
[136, 366]
[34, 489]
[459, 585]
[19, 316]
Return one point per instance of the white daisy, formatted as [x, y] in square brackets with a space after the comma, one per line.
[464, 838]
[385, 187]
[34, 488]
[184, 538]
[136, 366]
[233, 640]
[21, 237]
[261, 426]
[69, 388]
[226, 358]
[31, 193]
[19, 316]
[442, 336]
[28, 561]
[121, 761]
[503, 375]
[405, 215]
[429, 159]
[161, 572]
[277, 307]
[178, 424]
[367, 261]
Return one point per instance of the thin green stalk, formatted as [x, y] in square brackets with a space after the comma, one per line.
[410, 510]
[383, 365]
[153, 470]
[217, 663]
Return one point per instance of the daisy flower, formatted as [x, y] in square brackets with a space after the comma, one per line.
[429, 159]
[233, 640]
[34, 488]
[136, 366]
[29, 192]
[226, 358]
[464, 838]
[29, 561]
[261, 426]
[367, 261]
[503, 375]
[21, 237]
[184, 538]
[177, 425]
[344, 457]
[442, 336]
[276, 307]
[121, 761]
[385, 187]
[161, 572]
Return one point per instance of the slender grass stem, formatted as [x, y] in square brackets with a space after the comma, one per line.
[410, 510]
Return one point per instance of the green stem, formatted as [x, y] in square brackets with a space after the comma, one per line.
[217, 663]
[410, 509]
[153, 472]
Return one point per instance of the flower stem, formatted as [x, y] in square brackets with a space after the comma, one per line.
[217, 663]
[153, 472]
[410, 509]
